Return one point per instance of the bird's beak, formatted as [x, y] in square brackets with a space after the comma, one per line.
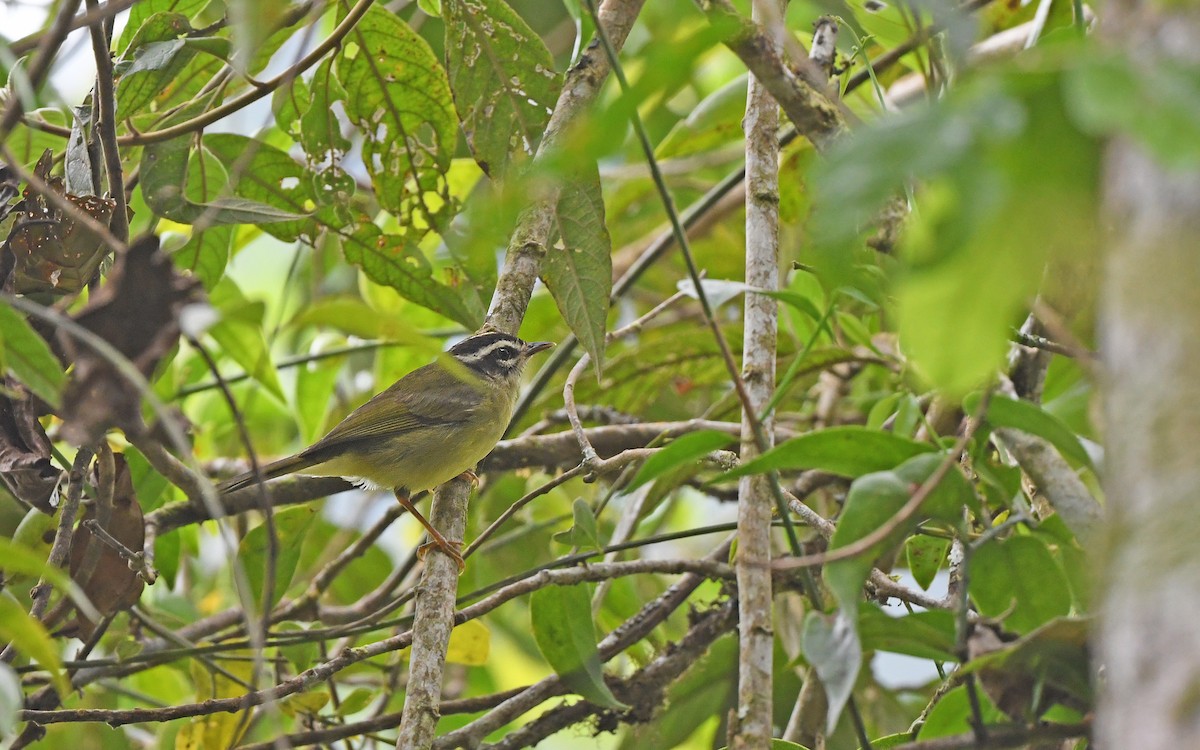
[533, 347]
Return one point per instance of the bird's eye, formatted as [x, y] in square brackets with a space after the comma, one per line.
[505, 352]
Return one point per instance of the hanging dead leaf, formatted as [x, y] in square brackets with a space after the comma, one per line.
[54, 254]
[25, 466]
[96, 565]
[137, 312]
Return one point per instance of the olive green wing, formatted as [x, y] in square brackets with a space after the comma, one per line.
[426, 397]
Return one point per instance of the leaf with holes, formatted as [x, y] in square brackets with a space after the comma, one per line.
[398, 95]
[266, 175]
[579, 274]
[503, 79]
[164, 171]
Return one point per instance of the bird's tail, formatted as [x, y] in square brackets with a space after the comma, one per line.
[274, 469]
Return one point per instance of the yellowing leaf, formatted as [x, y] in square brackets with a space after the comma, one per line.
[470, 644]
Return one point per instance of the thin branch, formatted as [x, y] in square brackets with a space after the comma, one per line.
[106, 126]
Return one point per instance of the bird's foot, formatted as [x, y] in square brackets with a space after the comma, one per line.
[453, 550]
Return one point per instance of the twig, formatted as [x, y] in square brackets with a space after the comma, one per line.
[137, 560]
[106, 126]
[621, 638]
[39, 68]
[585, 448]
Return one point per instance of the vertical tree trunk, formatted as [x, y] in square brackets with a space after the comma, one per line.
[1149, 640]
[752, 727]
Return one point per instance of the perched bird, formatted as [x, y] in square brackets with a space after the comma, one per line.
[430, 426]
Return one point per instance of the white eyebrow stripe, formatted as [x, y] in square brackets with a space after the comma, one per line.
[487, 351]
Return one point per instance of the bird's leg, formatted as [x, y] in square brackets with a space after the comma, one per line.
[453, 550]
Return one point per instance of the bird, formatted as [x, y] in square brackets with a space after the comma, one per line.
[430, 426]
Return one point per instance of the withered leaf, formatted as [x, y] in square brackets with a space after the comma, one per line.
[98, 568]
[53, 253]
[137, 312]
[25, 466]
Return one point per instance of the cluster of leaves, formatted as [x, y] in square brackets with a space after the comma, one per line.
[395, 158]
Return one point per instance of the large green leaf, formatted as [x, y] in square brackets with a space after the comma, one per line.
[1029, 417]
[682, 450]
[1160, 107]
[566, 636]
[714, 122]
[393, 261]
[141, 12]
[28, 357]
[1007, 183]
[849, 450]
[925, 635]
[503, 77]
[1018, 578]
[240, 334]
[291, 525]
[873, 499]
[30, 638]
[268, 176]
[164, 176]
[579, 274]
[398, 95]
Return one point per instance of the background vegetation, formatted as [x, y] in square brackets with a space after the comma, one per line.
[260, 214]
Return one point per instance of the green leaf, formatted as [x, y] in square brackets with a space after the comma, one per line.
[1029, 417]
[714, 122]
[290, 527]
[27, 356]
[831, 646]
[357, 700]
[873, 499]
[141, 12]
[12, 700]
[1019, 578]
[397, 93]
[152, 60]
[583, 532]
[579, 274]
[393, 261]
[30, 638]
[1159, 107]
[952, 715]
[925, 635]
[320, 130]
[164, 171]
[240, 334]
[683, 449]
[269, 177]
[314, 382]
[206, 254]
[566, 636]
[849, 450]
[504, 81]
[925, 555]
